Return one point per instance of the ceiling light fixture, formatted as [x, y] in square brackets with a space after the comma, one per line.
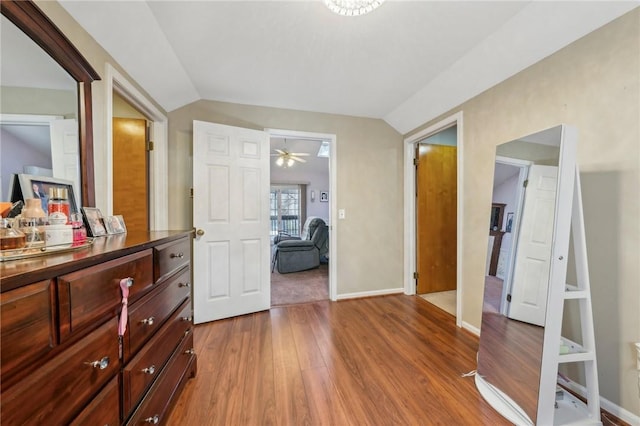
[352, 7]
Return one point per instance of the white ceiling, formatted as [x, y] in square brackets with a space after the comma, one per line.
[405, 63]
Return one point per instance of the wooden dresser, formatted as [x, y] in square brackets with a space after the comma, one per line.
[63, 361]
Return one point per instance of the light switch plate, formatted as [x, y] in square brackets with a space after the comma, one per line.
[341, 214]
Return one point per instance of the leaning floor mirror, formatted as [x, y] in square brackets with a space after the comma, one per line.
[536, 208]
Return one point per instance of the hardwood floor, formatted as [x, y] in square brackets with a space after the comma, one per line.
[393, 360]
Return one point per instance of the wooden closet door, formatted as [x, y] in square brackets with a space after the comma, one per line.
[436, 223]
[130, 172]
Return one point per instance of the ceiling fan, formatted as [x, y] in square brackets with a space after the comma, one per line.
[287, 158]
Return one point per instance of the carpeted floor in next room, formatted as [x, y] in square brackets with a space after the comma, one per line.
[300, 287]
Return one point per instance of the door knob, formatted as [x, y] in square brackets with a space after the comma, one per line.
[200, 232]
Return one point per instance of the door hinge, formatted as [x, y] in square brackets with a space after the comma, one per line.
[416, 275]
[415, 161]
[525, 183]
[508, 298]
[150, 146]
[190, 192]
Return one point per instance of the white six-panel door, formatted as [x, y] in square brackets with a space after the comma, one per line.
[530, 282]
[231, 216]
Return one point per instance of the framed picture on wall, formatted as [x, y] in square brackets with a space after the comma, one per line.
[324, 196]
[509, 222]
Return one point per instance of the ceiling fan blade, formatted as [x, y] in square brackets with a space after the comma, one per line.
[293, 157]
[299, 154]
[280, 152]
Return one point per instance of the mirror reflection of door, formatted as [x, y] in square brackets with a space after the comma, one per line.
[436, 226]
[130, 165]
[530, 279]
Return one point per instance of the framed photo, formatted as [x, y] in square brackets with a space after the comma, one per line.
[93, 221]
[509, 222]
[115, 224]
[324, 196]
[34, 186]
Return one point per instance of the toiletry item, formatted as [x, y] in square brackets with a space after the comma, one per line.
[10, 238]
[59, 202]
[79, 231]
[33, 230]
[33, 209]
[58, 235]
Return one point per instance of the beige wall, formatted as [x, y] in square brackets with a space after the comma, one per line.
[593, 85]
[369, 180]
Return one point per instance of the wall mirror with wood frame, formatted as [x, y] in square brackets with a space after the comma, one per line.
[44, 80]
[514, 314]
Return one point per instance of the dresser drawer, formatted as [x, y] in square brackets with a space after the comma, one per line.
[28, 327]
[57, 390]
[148, 315]
[170, 257]
[104, 409]
[92, 293]
[155, 406]
[146, 365]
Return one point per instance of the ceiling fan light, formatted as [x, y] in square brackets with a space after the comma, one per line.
[290, 162]
[280, 161]
[352, 7]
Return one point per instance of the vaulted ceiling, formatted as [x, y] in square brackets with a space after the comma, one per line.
[406, 62]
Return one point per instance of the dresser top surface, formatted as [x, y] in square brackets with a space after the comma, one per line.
[16, 273]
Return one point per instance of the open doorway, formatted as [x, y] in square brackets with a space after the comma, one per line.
[302, 186]
[454, 123]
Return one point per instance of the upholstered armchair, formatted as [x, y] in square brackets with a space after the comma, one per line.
[294, 255]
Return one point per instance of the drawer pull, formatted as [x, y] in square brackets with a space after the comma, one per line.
[152, 420]
[149, 370]
[174, 255]
[148, 321]
[184, 285]
[100, 364]
[190, 351]
[129, 282]
[189, 318]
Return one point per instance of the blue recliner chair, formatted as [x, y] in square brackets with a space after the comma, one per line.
[294, 255]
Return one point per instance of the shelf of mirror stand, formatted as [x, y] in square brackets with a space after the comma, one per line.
[570, 410]
[31, 252]
[575, 352]
[573, 292]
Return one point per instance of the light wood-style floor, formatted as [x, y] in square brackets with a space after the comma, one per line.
[393, 360]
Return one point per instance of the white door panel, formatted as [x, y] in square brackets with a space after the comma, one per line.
[530, 282]
[231, 206]
[65, 158]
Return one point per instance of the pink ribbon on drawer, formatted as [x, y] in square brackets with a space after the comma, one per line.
[125, 283]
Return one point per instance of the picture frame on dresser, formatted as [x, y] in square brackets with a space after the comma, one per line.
[35, 186]
[94, 221]
[115, 224]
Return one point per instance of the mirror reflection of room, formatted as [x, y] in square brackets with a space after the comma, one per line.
[517, 269]
[38, 114]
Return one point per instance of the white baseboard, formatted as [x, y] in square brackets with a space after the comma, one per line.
[475, 330]
[609, 406]
[370, 293]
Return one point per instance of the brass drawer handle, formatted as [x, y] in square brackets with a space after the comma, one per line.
[152, 420]
[190, 351]
[174, 255]
[184, 285]
[100, 364]
[189, 318]
[148, 321]
[149, 370]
